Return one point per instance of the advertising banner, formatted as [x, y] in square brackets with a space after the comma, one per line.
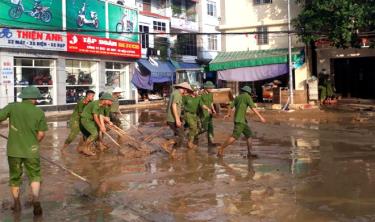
[122, 21]
[31, 39]
[102, 46]
[36, 14]
[87, 16]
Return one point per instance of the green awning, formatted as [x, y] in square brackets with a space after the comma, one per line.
[239, 59]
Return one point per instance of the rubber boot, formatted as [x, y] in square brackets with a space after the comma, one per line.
[87, 150]
[37, 208]
[16, 206]
[191, 145]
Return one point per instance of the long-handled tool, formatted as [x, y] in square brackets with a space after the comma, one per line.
[153, 135]
[58, 165]
[122, 133]
[131, 125]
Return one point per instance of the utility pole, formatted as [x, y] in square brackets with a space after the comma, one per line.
[291, 88]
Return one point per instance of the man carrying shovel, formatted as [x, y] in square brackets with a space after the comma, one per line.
[115, 114]
[27, 126]
[240, 104]
[174, 117]
[76, 116]
[92, 122]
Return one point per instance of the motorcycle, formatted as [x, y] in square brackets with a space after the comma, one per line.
[84, 79]
[82, 20]
[124, 25]
[39, 12]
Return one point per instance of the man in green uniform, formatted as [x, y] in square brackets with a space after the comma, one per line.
[240, 104]
[115, 114]
[208, 110]
[91, 121]
[27, 126]
[76, 116]
[174, 117]
[191, 104]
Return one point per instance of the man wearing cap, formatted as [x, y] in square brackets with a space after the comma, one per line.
[76, 116]
[191, 104]
[91, 121]
[240, 104]
[208, 110]
[174, 117]
[115, 108]
[27, 126]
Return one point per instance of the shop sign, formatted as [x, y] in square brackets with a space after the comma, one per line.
[101, 46]
[122, 23]
[6, 71]
[87, 16]
[42, 14]
[32, 39]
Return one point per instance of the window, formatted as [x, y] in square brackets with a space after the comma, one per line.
[116, 75]
[211, 8]
[263, 35]
[80, 76]
[187, 44]
[159, 26]
[212, 42]
[259, 2]
[36, 72]
[144, 37]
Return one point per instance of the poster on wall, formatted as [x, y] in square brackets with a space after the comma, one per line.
[6, 71]
[102, 46]
[122, 21]
[32, 39]
[35, 14]
[87, 16]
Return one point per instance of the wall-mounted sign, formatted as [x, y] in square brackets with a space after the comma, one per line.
[31, 39]
[6, 71]
[102, 46]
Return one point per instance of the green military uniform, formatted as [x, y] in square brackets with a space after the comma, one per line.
[241, 103]
[25, 121]
[206, 117]
[74, 122]
[114, 112]
[191, 106]
[175, 97]
[89, 127]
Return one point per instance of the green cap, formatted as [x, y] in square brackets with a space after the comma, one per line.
[209, 85]
[106, 96]
[246, 89]
[30, 92]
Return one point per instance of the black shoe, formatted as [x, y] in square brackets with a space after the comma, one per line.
[37, 209]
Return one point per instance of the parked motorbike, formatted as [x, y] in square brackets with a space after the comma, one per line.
[39, 12]
[82, 20]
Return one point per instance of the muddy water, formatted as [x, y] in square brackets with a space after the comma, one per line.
[305, 172]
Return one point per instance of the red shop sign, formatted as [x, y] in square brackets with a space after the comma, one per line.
[102, 46]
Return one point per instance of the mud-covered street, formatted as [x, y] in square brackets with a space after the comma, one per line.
[312, 166]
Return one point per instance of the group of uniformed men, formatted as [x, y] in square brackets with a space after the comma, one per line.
[27, 126]
[197, 110]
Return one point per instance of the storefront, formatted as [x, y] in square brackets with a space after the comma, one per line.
[63, 76]
[63, 65]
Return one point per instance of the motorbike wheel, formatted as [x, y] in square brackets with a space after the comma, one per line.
[46, 16]
[80, 22]
[119, 27]
[96, 24]
[15, 12]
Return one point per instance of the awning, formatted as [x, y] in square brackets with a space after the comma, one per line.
[159, 71]
[142, 81]
[186, 66]
[256, 73]
[240, 59]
